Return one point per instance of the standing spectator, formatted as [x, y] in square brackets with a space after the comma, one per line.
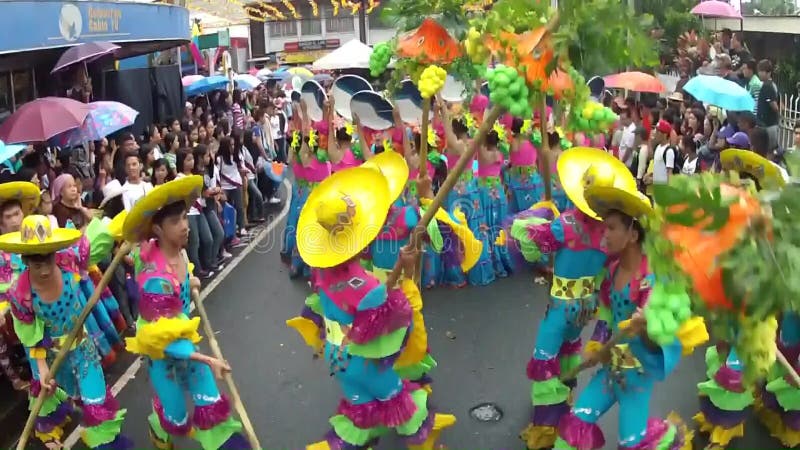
[237, 113]
[279, 122]
[147, 155]
[767, 105]
[627, 144]
[171, 146]
[199, 235]
[690, 160]
[644, 156]
[134, 188]
[751, 81]
[255, 203]
[162, 172]
[231, 179]
[153, 136]
[738, 52]
[664, 155]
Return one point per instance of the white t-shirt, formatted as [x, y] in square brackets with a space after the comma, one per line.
[661, 170]
[275, 125]
[627, 143]
[194, 209]
[689, 166]
[133, 192]
[247, 160]
[229, 178]
[644, 159]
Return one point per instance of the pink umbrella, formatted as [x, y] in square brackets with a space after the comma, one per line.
[716, 9]
[42, 119]
[190, 79]
[84, 53]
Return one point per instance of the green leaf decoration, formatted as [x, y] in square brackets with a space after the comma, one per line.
[700, 198]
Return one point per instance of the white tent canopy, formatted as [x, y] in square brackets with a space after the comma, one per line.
[352, 55]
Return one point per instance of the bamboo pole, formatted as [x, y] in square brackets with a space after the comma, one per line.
[452, 177]
[423, 169]
[123, 250]
[545, 153]
[234, 392]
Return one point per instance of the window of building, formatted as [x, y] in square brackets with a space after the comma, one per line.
[5, 95]
[283, 28]
[309, 24]
[341, 23]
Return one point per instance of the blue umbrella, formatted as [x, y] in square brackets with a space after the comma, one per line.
[720, 92]
[9, 150]
[105, 118]
[207, 85]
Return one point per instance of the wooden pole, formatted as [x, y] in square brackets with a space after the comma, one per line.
[234, 392]
[545, 153]
[452, 177]
[123, 250]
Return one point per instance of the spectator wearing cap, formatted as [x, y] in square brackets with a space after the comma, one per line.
[739, 140]
[664, 155]
[767, 104]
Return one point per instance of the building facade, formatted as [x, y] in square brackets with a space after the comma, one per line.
[304, 40]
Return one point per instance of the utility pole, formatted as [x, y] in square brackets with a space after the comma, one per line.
[362, 21]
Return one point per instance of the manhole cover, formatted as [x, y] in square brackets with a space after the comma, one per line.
[486, 412]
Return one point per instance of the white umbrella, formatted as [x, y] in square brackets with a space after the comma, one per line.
[263, 73]
[353, 54]
[246, 82]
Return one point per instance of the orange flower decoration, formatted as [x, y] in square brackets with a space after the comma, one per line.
[560, 82]
[429, 44]
[532, 54]
[699, 250]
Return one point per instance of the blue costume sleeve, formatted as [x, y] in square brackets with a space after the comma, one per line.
[411, 217]
[180, 349]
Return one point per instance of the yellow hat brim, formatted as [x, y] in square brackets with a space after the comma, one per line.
[573, 164]
[60, 239]
[606, 198]
[27, 193]
[752, 164]
[394, 167]
[473, 247]
[138, 223]
[369, 190]
[115, 226]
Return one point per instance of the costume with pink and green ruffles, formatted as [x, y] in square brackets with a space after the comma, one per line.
[42, 327]
[366, 327]
[167, 336]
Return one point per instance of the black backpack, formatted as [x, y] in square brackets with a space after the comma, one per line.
[678, 158]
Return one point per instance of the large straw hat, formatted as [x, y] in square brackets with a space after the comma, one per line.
[394, 167]
[138, 224]
[37, 237]
[25, 192]
[342, 215]
[581, 167]
[752, 164]
[603, 199]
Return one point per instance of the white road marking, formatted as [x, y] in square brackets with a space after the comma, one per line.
[130, 372]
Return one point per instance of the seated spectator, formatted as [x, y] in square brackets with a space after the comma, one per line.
[162, 172]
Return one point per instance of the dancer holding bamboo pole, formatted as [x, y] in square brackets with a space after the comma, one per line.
[166, 335]
[52, 317]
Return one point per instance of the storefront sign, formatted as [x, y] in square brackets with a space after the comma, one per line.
[304, 46]
[301, 57]
[57, 24]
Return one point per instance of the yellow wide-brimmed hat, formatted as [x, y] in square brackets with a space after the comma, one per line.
[394, 167]
[37, 237]
[138, 224]
[752, 164]
[25, 192]
[342, 215]
[581, 167]
[116, 224]
[603, 199]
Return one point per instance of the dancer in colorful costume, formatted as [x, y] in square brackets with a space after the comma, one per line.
[366, 322]
[17, 200]
[524, 182]
[725, 400]
[464, 196]
[574, 240]
[778, 408]
[309, 171]
[632, 367]
[46, 299]
[166, 335]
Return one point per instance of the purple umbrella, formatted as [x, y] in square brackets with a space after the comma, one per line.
[84, 53]
[42, 119]
[104, 118]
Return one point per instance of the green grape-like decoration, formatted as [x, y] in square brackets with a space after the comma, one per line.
[508, 89]
[380, 58]
[431, 81]
[756, 347]
[668, 307]
[591, 117]
[476, 50]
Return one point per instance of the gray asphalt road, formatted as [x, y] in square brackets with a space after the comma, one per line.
[482, 338]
